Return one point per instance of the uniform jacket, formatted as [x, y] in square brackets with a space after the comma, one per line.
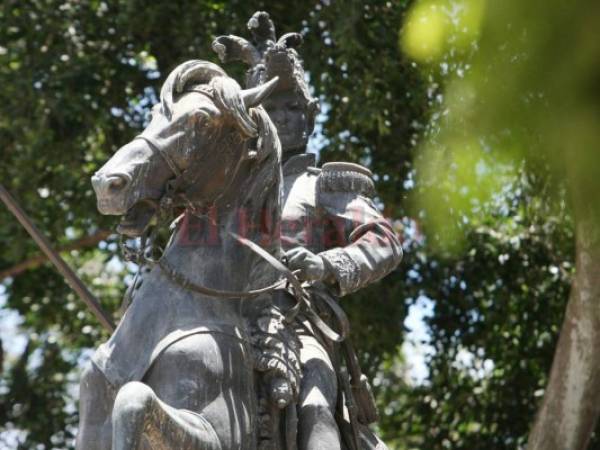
[330, 211]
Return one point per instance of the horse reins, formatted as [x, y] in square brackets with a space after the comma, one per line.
[290, 279]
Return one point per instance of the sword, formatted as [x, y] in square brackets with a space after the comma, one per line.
[60, 264]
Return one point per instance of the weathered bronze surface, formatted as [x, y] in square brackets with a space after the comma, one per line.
[220, 346]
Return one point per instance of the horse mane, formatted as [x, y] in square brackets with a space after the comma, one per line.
[268, 150]
[225, 91]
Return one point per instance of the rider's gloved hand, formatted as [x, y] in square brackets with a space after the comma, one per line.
[312, 267]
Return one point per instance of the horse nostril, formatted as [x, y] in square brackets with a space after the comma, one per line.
[112, 183]
[116, 182]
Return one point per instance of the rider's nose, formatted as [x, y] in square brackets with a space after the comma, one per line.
[109, 183]
[278, 117]
[284, 117]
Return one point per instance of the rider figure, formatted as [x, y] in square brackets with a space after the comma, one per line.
[331, 229]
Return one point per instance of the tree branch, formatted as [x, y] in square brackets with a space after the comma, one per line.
[35, 261]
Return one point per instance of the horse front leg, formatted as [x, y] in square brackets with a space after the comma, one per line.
[96, 400]
[139, 414]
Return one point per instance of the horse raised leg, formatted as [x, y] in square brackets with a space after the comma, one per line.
[196, 383]
[138, 413]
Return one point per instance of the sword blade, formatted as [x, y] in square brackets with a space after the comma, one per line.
[72, 279]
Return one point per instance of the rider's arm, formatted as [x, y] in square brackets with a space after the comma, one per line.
[362, 245]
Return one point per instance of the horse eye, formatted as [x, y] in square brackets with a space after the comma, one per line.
[202, 117]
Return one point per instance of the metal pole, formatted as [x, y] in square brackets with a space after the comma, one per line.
[60, 264]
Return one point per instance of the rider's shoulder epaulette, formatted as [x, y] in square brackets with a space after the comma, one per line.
[346, 177]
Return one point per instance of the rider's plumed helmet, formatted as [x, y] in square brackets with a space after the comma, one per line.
[268, 57]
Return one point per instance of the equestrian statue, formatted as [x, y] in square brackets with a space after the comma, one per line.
[233, 337]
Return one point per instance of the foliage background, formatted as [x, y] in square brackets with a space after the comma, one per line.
[78, 78]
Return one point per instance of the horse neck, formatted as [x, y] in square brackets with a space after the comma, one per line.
[204, 248]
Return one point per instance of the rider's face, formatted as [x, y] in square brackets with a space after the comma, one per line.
[288, 113]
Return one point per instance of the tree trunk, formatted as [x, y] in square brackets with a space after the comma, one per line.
[571, 405]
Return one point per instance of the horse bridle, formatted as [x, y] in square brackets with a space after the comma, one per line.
[176, 183]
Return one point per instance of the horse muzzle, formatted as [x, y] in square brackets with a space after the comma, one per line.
[113, 193]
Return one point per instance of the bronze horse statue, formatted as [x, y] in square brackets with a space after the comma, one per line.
[177, 373]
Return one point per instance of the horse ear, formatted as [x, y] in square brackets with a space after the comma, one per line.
[253, 97]
[185, 73]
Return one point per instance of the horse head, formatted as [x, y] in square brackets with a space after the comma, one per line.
[197, 137]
